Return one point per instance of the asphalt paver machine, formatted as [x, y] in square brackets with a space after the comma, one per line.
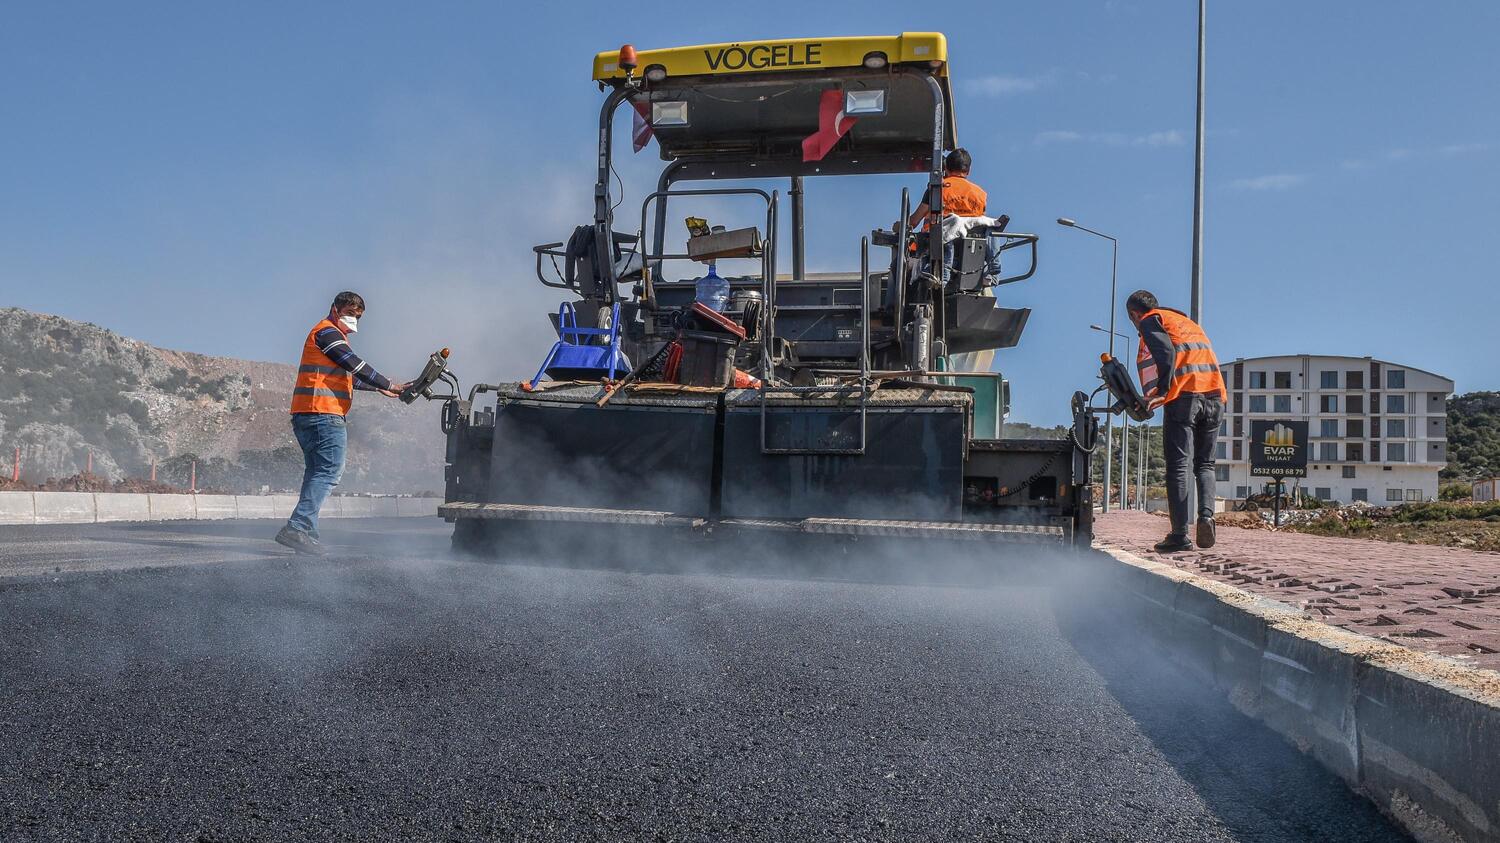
[846, 406]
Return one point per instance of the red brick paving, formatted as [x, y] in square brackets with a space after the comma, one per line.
[1437, 599]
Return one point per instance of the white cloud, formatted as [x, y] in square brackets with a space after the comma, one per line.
[1044, 138]
[1169, 137]
[1397, 155]
[1274, 181]
[1003, 86]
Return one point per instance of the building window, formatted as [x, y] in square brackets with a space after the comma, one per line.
[1328, 403]
[1328, 380]
[1322, 493]
[1221, 473]
[1354, 380]
[1354, 405]
[1327, 451]
[1395, 428]
[1221, 451]
[1281, 403]
[1359, 494]
[1391, 495]
[1354, 452]
[1354, 428]
[1282, 380]
[1257, 403]
[1257, 380]
[1348, 472]
[1328, 428]
[1395, 403]
[1395, 452]
[1224, 426]
[1395, 379]
[1239, 491]
[1414, 494]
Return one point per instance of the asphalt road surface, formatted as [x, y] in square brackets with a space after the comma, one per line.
[195, 682]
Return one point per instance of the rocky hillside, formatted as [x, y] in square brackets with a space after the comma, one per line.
[70, 389]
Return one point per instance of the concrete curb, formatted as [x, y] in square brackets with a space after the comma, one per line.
[106, 507]
[1419, 734]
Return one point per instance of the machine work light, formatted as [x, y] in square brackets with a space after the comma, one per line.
[669, 113]
[864, 102]
[656, 73]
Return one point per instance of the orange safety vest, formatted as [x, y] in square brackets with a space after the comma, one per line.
[1194, 369]
[961, 198]
[322, 387]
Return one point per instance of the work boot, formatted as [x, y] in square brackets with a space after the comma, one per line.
[1173, 544]
[299, 541]
[1205, 533]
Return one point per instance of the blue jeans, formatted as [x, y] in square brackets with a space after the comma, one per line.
[324, 439]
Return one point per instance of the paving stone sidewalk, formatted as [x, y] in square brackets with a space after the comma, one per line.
[1437, 599]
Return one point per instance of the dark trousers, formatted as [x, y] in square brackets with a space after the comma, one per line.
[1190, 430]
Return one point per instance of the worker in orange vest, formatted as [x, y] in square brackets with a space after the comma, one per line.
[327, 376]
[961, 198]
[1180, 374]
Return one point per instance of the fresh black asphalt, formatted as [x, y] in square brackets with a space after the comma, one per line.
[396, 691]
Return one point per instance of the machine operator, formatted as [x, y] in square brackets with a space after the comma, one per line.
[961, 198]
[1180, 374]
[329, 373]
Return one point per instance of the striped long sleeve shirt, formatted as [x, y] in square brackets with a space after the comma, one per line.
[331, 342]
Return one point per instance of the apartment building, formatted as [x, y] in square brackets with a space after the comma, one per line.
[1379, 430]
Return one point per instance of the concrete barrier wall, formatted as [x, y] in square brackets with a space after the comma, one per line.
[122, 507]
[65, 508]
[1417, 733]
[102, 507]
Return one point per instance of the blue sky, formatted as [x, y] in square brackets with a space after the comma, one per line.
[205, 176]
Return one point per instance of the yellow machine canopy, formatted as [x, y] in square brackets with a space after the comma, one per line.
[749, 109]
[789, 54]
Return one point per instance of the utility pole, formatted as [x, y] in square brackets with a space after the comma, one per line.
[1197, 302]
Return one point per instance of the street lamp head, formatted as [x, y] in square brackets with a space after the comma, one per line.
[1065, 221]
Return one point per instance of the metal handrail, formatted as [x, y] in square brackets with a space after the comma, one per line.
[767, 252]
[899, 278]
[1013, 241]
[863, 384]
[554, 251]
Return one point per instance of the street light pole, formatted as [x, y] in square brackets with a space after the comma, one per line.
[1125, 502]
[1197, 299]
[1141, 464]
[1109, 441]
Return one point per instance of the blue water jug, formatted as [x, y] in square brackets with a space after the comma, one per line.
[712, 290]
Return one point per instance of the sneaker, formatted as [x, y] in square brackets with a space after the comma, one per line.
[1205, 533]
[1173, 544]
[299, 541]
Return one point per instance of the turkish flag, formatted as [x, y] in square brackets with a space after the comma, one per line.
[641, 125]
[832, 125]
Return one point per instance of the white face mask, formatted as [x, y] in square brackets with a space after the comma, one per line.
[350, 323]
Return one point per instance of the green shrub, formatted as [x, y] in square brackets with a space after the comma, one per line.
[1455, 492]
